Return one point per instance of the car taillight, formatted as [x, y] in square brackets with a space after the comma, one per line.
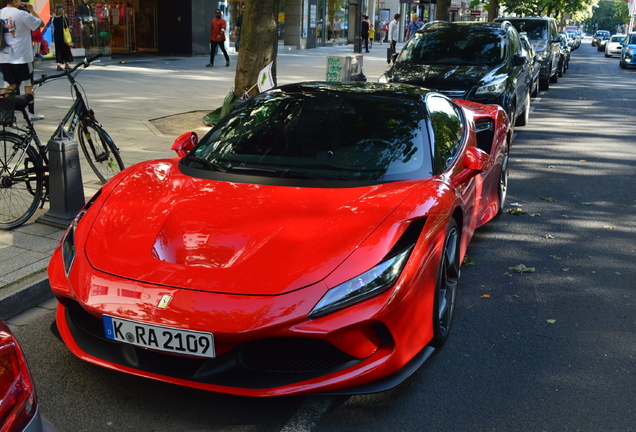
[18, 400]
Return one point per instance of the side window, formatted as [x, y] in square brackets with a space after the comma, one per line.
[448, 130]
[553, 29]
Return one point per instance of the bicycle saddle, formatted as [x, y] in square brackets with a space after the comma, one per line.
[21, 101]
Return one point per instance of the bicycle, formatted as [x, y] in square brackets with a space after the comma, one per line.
[24, 165]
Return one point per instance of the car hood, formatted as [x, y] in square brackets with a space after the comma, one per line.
[163, 227]
[441, 77]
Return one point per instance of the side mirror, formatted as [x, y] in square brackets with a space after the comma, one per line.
[475, 162]
[519, 60]
[557, 39]
[184, 143]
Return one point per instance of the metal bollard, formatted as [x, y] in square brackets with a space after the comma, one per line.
[66, 190]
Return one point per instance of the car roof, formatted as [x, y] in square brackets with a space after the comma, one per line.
[394, 90]
[489, 26]
[523, 18]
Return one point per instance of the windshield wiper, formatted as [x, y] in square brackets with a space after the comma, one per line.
[287, 173]
[213, 166]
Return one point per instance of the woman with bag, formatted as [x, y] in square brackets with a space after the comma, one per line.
[62, 38]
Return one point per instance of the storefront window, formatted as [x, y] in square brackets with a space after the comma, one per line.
[89, 23]
[337, 20]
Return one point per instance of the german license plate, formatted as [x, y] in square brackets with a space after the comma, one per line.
[169, 339]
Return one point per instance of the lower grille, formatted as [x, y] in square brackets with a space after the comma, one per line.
[291, 355]
[85, 321]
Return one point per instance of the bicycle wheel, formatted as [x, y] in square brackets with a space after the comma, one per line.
[20, 185]
[100, 151]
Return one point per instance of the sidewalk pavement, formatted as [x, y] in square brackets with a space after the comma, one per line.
[130, 96]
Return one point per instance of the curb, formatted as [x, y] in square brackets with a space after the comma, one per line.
[24, 295]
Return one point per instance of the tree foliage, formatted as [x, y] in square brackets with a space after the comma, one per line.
[259, 44]
[553, 8]
[608, 15]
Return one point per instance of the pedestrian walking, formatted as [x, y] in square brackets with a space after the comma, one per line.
[63, 53]
[217, 38]
[237, 30]
[364, 32]
[384, 28]
[371, 33]
[394, 31]
[414, 26]
[16, 60]
[337, 28]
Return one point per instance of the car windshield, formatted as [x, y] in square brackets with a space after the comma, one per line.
[535, 29]
[602, 34]
[320, 136]
[632, 39]
[456, 45]
[617, 39]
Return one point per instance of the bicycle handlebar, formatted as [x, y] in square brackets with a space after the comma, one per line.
[86, 63]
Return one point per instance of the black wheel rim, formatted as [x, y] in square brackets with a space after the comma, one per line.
[448, 283]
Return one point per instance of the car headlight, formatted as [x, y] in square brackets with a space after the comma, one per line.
[369, 284]
[629, 50]
[540, 46]
[68, 241]
[493, 88]
[383, 79]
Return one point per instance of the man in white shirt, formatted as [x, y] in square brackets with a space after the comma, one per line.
[394, 31]
[16, 60]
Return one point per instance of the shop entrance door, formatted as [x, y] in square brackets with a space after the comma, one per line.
[312, 24]
[122, 28]
[147, 37]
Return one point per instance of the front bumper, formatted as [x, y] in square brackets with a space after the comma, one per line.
[265, 346]
[629, 59]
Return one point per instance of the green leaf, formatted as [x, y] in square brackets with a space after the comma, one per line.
[522, 269]
[555, 257]
[549, 199]
[467, 262]
[516, 211]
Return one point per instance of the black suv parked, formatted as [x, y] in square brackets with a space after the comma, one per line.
[480, 62]
[544, 36]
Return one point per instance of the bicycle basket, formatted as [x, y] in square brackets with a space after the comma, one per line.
[7, 108]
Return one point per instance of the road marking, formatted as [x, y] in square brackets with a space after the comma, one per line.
[308, 415]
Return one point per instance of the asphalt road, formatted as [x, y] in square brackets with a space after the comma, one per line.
[551, 350]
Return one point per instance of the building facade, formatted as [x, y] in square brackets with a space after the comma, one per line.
[170, 27]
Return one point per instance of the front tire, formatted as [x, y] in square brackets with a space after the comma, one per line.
[522, 120]
[100, 151]
[446, 286]
[554, 78]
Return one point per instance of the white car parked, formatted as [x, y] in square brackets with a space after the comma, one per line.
[613, 46]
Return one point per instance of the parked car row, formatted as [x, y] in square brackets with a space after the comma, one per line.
[617, 45]
[505, 62]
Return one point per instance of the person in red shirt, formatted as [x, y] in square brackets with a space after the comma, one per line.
[217, 38]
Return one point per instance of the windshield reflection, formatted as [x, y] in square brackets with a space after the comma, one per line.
[321, 135]
[457, 45]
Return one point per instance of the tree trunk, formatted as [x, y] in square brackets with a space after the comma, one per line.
[259, 44]
[443, 10]
[493, 8]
